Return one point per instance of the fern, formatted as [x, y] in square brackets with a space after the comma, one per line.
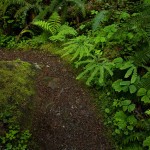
[133, 147]
[146, 142]
[24, 9]
[96, 69]
[145, 81]
[80, 5]
[55, 22]
[63, 32]
[8, 3]
[55, 4]
[99, 18]
[145, 59]
[52, 25]
[78, 47]
[132, 71]
[134, 137]
[129, 66]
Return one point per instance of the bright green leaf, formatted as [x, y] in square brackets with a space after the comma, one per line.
[146, 142]
[125, 108]
[125, 83]
[131, 107]
[129, 72]
[148, 93]
[126, 102]
[107, 110]
[117, 131]
[147, 112]
[141, 92]
[132, 89]
[145, 99]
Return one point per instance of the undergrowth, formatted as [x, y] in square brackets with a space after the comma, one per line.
[16, 90]
[111, 48]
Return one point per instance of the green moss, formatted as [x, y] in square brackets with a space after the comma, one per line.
[16, 91]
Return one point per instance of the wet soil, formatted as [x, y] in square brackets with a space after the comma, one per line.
[64, 117]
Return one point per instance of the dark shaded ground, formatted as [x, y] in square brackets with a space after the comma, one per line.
[64, 118]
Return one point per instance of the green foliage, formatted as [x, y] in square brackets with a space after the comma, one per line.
[119, 57]
[99, 18]
[14, 139]
[113, 51]
[124, 123]
[52, 25]
[64, 32]
[147, 142]
[15, 96]
[96, 68]
[57, 5]
[17, 14]
[78, 47]
[145, 95]
[7, 41]
[81, 6]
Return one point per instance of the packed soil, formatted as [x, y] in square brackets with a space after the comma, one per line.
[64, 117]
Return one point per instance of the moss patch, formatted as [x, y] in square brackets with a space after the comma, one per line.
[16, 91]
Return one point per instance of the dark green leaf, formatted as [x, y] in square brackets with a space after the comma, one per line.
[126, 102]
[131, 107]
[147, 142]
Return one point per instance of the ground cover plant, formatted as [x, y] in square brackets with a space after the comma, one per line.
[110, 45]
[15, 95]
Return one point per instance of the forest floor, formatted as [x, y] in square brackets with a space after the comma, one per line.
[64, 117]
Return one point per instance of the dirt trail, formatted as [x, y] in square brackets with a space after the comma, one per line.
[64, 118]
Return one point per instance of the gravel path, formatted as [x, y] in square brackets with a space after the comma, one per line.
[64, 117]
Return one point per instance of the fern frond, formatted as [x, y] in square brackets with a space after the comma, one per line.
[143, 125]
[99, 18]
[132, 70]
[81, 6]
[54, 5]
[63, 32]
[54, 18]
[23, 10]
[95, 69]
[142, 57]
[8, 3]
[78, 47]
[89, 68]
[52, 25]
[133, 147]
[93, 74]
[43, 24]
[55, 22]
[134, 137]
[145, 81]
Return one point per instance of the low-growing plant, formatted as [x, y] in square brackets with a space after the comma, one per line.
[16, 90]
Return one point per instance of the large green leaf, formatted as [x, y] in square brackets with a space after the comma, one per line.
[129, 72]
